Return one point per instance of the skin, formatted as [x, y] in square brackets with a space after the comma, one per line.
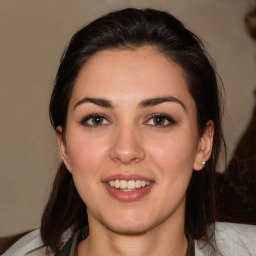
[129, 141]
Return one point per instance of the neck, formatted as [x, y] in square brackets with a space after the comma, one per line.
[166, 239]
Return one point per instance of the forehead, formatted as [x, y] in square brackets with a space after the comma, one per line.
[131, 73]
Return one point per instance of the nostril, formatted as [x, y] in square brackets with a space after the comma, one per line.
[126, 159]
[126, 147]
[126, 156]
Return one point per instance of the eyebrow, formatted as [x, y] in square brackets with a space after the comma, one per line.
[143, 104]
[97, 101]
[156, 101]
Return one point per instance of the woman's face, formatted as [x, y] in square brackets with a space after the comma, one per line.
[132, 141]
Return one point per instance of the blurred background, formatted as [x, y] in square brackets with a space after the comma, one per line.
[33, 35]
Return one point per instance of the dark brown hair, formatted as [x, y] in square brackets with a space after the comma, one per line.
[131, 29]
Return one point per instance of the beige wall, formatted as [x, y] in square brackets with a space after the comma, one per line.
[33, 34]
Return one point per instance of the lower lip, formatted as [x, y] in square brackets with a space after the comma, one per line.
[128, 196]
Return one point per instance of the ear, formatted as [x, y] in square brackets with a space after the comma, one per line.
[62, 147]
[204, 148]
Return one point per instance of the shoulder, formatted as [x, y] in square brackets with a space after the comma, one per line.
[232, 240]
[240, 239]
[26, 245]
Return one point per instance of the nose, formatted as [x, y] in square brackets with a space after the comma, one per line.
[127, 146]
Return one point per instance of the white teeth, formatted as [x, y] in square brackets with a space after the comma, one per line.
[138, 183]
[129, 185]
[123, 184]
[112, 183]
[117, 184]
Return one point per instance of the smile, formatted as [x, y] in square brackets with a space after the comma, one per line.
[128, 185]
[128, 188]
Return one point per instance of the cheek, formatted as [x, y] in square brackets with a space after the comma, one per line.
[174, 151]
[86, 155]
[87, 161]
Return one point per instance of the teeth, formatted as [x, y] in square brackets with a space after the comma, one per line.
[138, 183]
[123, 184]
[129, 185]
[117, 184]
[112, 183]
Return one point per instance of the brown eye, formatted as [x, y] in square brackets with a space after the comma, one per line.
[161, 120]
[95, 120]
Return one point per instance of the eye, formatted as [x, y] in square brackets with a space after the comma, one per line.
[160, 120]
[95, 120]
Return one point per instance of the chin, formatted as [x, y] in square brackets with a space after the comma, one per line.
[130, 224]
[130, 229]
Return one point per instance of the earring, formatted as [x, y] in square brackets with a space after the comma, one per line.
[69, 168]
[203, 162]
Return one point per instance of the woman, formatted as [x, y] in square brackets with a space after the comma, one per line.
[137, 114]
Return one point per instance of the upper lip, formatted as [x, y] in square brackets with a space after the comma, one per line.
[126, 177]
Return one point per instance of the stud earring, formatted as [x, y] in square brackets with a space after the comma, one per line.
[203, 162]
[69, 168]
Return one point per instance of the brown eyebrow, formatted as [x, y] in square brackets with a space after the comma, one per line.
[143, 104]
[97, 101]
[159, 100]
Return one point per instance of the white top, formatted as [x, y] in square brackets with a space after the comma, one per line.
[232, 240]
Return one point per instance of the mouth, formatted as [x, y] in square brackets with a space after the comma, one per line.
[128, 185]
[128, 188]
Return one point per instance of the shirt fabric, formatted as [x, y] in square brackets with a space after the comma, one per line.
[231, 240]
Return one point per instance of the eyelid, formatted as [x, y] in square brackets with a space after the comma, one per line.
[85, 120]
[161, 115]
[167, 117]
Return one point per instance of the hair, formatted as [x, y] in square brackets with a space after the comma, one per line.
[131, 29]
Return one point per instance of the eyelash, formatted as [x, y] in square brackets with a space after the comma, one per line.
[164, 117]
[105, 121]
[85, 121]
